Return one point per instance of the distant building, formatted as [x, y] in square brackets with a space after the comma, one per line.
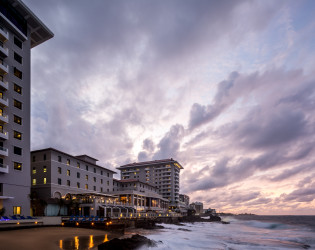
[183, 204]
[198, 206]
[210, 211]
[56, 174]
[183, 198]
[164, 174]
[20, 31]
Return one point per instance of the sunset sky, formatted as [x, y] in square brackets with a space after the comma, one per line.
[227, 88]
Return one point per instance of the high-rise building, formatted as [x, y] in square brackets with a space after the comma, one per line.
[20, 31]
[164, 174]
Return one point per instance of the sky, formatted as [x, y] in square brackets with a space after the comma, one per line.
[227, 88]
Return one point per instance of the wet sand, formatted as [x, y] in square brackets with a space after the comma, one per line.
[52, 238]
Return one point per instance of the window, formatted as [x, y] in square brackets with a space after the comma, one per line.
[101, 189]
[87, 177]
[45, 180]
[101, 181]
[94, 170]
[87, 168]
[94, 179]
[68, 172]
[17, 210]
[86, 186]
[17, 58]
[59, 158]
[101, 172]
[34, 170]
[78, 184]
[107, 183]
[17, 73]
[68, 183]
[59, 181]
[94, 188]
[45, 169]
[18, 42]
[107, 174]
[44, 157]
[17, 150]
[33, 158]
[59, 170]
[34, 182]
[17, 119]
[68, 162]
[78, 164]
[17, 89]
[17, 104]
[17, 135]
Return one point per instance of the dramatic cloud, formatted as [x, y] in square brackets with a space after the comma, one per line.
[227, 88]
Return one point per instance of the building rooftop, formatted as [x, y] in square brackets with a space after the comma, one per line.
[76, 157]
[39, 32]
[135, 180]
[150, 163]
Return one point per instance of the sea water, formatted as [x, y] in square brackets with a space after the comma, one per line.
[239, 234]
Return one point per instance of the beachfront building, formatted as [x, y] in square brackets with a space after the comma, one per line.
[163, 174]
[20, 31]
[198, 206]
[141, 196]
[183, 204]
[58, 177]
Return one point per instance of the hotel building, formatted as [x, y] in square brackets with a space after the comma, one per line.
[56, 174]
[20, 31]
[163, 174]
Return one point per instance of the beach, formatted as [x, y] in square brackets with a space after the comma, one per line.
[52, 238]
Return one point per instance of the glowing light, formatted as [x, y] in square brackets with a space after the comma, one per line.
[18, 223]
[121, 215]
[105, 239]
[106, 223]
[77, 223]
[62, 224]
[60, 244]
[76, 242]
[92, 223]
[36, 222]
[91, 244]
[110, 222]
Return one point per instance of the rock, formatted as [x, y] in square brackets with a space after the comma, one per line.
[136, 241]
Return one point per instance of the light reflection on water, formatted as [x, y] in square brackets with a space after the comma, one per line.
[82, 242]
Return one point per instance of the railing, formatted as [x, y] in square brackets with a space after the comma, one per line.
[3, 149]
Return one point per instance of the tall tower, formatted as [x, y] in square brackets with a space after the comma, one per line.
[20, 30]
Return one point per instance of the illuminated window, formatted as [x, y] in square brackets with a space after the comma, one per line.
[78, 164]
[87, 177]
[68, 162]
[17, 135]
[18, 166]
[45, 169]
[34, 182]
[18, 73]
[17, 89]
[68, 172]
[45, 180]
[34, 170]
[17, 104]
[16, 210]
[59, 170]
[17, 119]
[86, 186]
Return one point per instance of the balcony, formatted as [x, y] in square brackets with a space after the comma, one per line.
[4, 151]
[4, 52]
[4, 68]
[4, 168]
[4, 135]
[4, 118]
[4, 102]
[4, 85]
[4, 35]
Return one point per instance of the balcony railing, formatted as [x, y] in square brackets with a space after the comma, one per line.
[4, 85]
[4, 118]
[4, 35]
[4, 52]
[4, 168]
[4, 68]
[4, 101]
[4, 134]
[4, 151]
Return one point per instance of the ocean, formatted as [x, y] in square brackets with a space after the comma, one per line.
[244, 232]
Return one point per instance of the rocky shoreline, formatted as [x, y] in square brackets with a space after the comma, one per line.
[137, 241]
